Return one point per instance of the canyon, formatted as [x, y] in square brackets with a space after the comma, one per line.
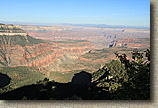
[19, 49]
[58, 52]
[98, 36]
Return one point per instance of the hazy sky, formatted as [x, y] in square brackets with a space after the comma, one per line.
[110, 12]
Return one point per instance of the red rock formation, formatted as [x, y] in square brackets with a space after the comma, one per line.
[84, 59]
[43, 54]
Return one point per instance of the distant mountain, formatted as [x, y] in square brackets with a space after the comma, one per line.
[105, 26]
[86, 25]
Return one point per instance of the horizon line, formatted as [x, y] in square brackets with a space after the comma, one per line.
[73, 24]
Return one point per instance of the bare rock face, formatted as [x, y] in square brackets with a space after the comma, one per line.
[11, 30]
[45, 54]
[131, 43]
[19, 49]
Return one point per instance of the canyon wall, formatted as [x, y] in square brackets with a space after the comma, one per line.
[23, 50]
[100, 37]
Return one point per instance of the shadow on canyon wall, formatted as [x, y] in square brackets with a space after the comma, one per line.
[4, 80]
[45, 90]
[81, 88]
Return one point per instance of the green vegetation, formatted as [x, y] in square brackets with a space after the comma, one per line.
[111, 76]
[62, 77]
[34, 41]
[19, 40]
[20, 76]
[43, 89]
[138, 70]
[123, 79]
[129, 79]
[97, 54]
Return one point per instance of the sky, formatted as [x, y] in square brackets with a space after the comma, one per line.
[109, 12]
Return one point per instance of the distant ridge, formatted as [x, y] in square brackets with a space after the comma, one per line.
[86, 25]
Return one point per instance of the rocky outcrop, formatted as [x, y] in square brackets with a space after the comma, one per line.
[28, 51]
[11, 30]
[13, 34]
[99, 37]
[84, 59]
[131, 43]
[38, 55]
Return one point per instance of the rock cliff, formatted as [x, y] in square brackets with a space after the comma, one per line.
[19, 49]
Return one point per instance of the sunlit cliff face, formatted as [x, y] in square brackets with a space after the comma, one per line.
[68, 49]
[99, 37]
[19, 49]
